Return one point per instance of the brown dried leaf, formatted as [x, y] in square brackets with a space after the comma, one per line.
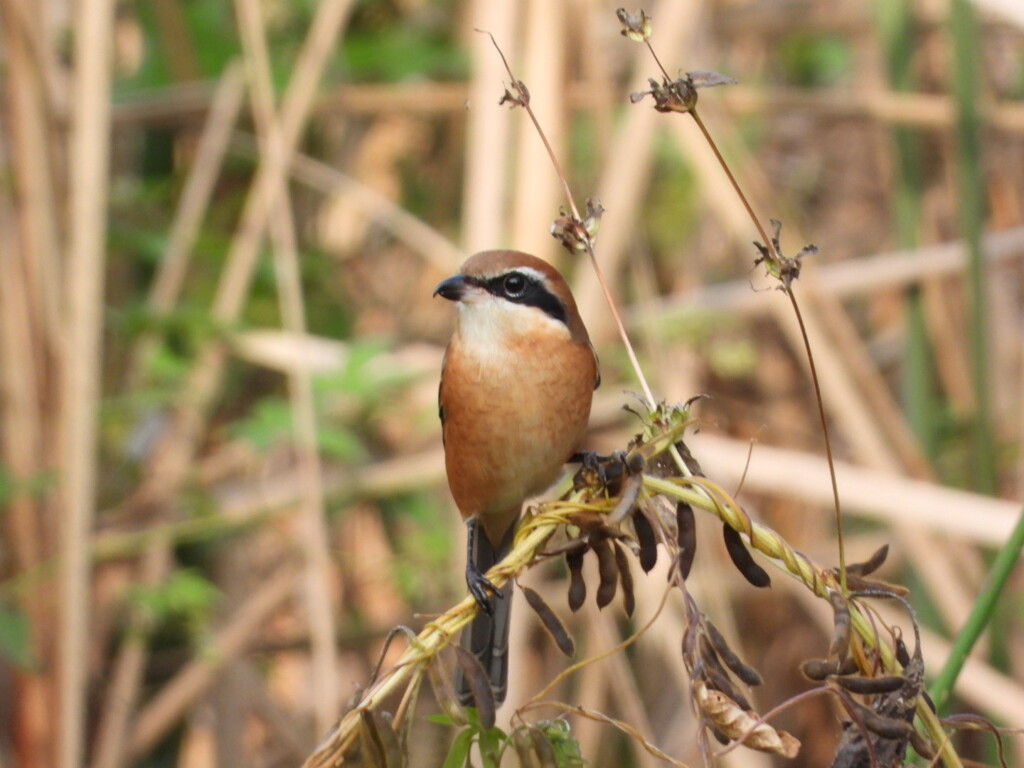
[378, 741]
[636, 26]
[479, 685]
[444, 692]
[738, 725]
[702, 78]
[523, 746]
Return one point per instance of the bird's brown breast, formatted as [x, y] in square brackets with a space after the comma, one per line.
[512, 417]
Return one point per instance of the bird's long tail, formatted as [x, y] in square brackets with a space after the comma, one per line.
[486, 637]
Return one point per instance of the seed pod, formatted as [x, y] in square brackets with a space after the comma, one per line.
[625, 578]
[636, 463]
[378, 742]
[522, 742]
[444, 692]
[870, 565]
[819, 669]
[686, 537]
[875, 587]
[550, 621]
[886, 727]
[743, 560]
[607, 570]
[628, 495]
[870, 685]
[577, 586]
[646, 541]
[921, 746]
[717, 680]
[901, 652]
[839, 646]
[545, 751]
[736, 665]
[479, 685]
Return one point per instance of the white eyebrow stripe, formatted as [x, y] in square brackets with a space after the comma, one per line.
[530, 272]
[536, 274]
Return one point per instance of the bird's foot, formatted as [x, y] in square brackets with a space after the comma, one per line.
[482, 589]
[598, 469]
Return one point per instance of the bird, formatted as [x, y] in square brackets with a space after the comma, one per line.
[516, 387]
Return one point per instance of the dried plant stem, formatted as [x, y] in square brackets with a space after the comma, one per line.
[418, 235]
[172, 457]
[125, 680]
[89, 158]
[525, 103]
[434, 637]
[31, 154]
[168, 706]
[761, 231]
[485, 179]
[820, 401]
[819, 581]
[769, 243]
[313, 530]
[627, 165]
[195, 202]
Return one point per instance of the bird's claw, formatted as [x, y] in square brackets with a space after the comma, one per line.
[599, 469]
[482, 589]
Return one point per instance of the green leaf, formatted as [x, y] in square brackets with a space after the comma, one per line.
[491, 742]
[186, 594]
[458, 754]
[440, 719]
[15, 645]
[566, 748]
[340, 443]
[269, 423]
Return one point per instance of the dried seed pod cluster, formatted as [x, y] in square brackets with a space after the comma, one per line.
[612, 563]
[881, 724]
[718, 676]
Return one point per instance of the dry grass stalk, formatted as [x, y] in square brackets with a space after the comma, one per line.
[166, 708]
[80, 377]
[535, 193]
[171, 459]
[626, 168]
[312, 529]
[487, 132]
[192, 208]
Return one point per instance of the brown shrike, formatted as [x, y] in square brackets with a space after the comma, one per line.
[516, 385]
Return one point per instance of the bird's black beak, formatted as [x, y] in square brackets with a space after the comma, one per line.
[453, 289]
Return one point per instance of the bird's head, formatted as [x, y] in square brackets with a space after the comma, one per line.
[510, 294]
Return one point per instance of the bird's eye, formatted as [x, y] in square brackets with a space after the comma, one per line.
[514, 284]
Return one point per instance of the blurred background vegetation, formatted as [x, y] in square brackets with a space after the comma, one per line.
[220, 226]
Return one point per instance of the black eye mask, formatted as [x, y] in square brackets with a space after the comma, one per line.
[520, 288]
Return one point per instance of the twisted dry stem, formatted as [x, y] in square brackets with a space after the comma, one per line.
[537, 529]
[434, 637]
